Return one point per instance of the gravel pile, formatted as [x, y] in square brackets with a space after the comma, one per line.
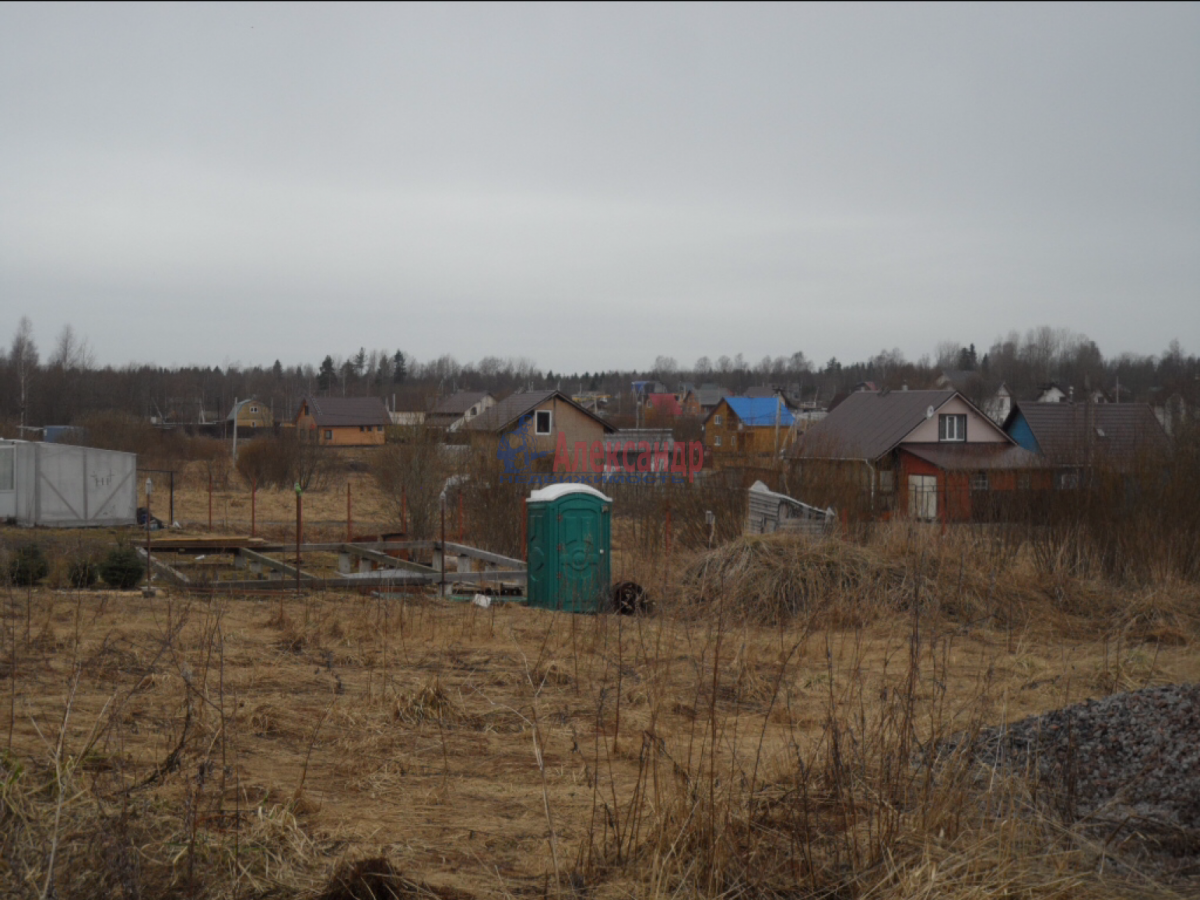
[1129, 765]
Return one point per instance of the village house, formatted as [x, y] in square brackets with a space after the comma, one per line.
[747, 430]
[661, 409]
[926, 454]
[408, 409]
[768, 391]
[526, 428]
[343, 421]
[700, 401]
[1074, 437]
[252, 415]
[1173, 413]
[456, 410]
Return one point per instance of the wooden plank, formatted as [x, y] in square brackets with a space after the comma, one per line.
[171, 572]
[383, 559]
[394, 577]
[367, 545]
[484, 555]
[377, 579]
[513, 576]
[211, 545]
[275, 564]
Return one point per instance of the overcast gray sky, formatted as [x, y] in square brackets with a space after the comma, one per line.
[593, 186]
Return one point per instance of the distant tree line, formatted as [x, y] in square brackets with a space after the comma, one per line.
[66, 385]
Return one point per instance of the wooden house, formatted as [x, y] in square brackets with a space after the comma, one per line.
[925, 454]
[343, 421]
[457, 409]
[700, 401]
[747, 430]
[527, 427]
[252, 415]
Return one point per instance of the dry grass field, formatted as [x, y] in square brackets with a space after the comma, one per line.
[762, 733]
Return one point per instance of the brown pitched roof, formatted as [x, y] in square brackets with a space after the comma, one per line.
[868, 424]
[513, 407]
[334, 412]
[458, 404]
[975, 457]
[1071, 432]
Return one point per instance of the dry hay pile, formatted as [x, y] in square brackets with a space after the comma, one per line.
[773, 578]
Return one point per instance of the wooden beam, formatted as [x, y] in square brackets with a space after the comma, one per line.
[383, 559]
[393, 577]
[496, 558]
[367, 545]
[172, 573]
[277, 565]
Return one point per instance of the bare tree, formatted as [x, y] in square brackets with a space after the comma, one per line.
[410, 475]
[798, 363]
[947, 354]
[72, 353]
[23, 357]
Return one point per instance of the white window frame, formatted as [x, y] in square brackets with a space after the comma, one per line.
[955, 435]
[537, 421]
[980, 481]
[717, 420]
[717, 441]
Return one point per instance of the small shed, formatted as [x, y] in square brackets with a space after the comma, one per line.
[769, 511]
[570, 548]
[64, 486]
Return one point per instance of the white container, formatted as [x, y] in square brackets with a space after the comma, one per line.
[63, 486]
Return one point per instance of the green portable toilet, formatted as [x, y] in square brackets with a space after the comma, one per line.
[570, 548]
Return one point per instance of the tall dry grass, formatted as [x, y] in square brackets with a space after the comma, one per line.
[779, 727]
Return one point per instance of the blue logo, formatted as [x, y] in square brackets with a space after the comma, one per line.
[517, 448]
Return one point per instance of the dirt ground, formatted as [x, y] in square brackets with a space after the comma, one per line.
[413, 729]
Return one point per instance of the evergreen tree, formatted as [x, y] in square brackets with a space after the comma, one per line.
[383, 371]
[399, 368]
[326, 376]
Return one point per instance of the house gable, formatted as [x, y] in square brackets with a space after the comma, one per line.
[1018, 429]
[869, 425]
[980, 429]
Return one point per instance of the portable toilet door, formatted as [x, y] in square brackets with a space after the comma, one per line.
[570, 548]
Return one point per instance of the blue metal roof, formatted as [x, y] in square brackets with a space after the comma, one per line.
[760, 410]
